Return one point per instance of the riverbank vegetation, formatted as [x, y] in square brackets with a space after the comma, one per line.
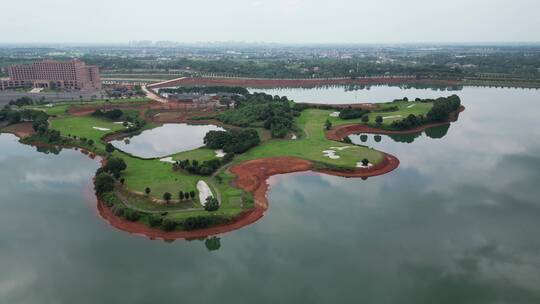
[148, 190]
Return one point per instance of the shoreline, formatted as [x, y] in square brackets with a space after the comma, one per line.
[342, 131]
[252, 176]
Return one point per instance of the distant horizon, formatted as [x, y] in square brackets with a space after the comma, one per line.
[269, 43]
[283, 21]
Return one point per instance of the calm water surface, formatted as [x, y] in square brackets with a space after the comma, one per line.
[347, 94]
[457, 222]
[165, 140]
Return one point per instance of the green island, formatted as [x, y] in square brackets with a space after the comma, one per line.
[164, 193]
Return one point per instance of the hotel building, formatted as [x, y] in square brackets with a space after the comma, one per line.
[73, 75]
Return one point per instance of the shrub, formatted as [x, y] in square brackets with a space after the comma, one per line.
[351, 113]
[109, 148]
[168, 224]
[212, 204]
[155, 220]
[118, 210]
[327, 125]
[132, 215]
[198, 222]
[233, 141]
[365, 119]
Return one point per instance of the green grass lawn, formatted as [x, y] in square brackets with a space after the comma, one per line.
[404, 109]
[60, 109]
[200, 154]
[311, 144]
[156, 175]
[160, 177]
[84, 127]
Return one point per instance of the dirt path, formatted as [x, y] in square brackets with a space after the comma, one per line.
[268, 83]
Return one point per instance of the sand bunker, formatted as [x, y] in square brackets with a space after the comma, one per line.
[411, 106]
[168, 160]
[101, 129]
[220, 153]
[360, 165]
[341, 148]
[390, 117]
[334, 114]
[294, 137]
[204, 191]
[330, 154]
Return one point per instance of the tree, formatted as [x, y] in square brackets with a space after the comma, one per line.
[212, 204]
[167, 197]
[90, 142]
[109, 148]
[327, 125]
[103, 183]
[365, 162]
[365, 119]
[147, 191]
[192, 194]
[115, 165]
[181, 195]
[363, 137]
[379, 120]
[377, 138]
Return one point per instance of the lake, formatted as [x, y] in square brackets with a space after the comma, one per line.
[165, 140]
[457, 222]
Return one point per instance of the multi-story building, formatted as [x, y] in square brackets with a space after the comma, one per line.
[73, 74]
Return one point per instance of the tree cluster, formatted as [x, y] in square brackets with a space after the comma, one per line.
[442, 107]
[114, 114]
[236, 141]
[274, 113]
[23, 101]
[207, 167]
[440, 112]
[352, 113]
[115, 166]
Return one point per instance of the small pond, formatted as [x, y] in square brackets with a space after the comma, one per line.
[165, 140]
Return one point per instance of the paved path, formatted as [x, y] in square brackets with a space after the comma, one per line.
[150, 94]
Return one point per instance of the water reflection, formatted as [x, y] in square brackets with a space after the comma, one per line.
[357, 94]
[213, 243]
[49, 149]
[434, 133]
[457, 222]
[165, 140]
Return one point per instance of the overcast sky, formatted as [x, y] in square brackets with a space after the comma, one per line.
[297, 21]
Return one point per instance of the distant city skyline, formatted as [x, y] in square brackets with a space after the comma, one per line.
[278, 21]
